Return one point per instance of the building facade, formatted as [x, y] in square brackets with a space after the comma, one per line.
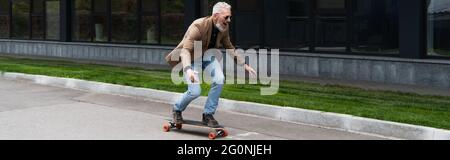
[388, 41]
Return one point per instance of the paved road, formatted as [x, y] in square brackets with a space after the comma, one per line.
[31, 111]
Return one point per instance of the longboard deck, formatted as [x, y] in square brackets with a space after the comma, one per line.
[216, 131]
[199, 124]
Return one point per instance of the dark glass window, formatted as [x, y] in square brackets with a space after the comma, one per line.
[37, 23]
[438, 30]
[150, 22]
[297, 24]
[330, 26]
[100, 28]
[4, 26]
[150, 29]
[53, 19]
[149, 6]
[4, 19]
[299, 8]
[336, 5]
[101, 6]
[127, 21]
[375, 27]
[124, 21]
[21, 19]
[100, 19]
[38, 7]
[172, 20]
[37, 19]
[248, 24]
[81, 20]
[4, 7]
[248, 5]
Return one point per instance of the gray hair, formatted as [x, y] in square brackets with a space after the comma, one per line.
[219, 6]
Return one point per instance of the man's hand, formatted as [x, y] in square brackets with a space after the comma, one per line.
[191, 75]
[250, 70]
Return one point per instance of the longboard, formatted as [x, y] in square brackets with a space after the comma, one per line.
[213, 134]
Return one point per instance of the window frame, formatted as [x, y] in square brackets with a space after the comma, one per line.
[31, 15]
[140, 13]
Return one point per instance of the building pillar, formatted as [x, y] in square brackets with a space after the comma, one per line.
[65, 20]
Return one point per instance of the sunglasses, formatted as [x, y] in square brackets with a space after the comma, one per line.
[228, 18]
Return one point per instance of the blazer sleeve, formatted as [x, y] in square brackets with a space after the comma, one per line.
[192, 35]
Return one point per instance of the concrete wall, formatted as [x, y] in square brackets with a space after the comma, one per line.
[87, 51]
[391, 70]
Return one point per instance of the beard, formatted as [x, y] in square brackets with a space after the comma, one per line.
[221, 27]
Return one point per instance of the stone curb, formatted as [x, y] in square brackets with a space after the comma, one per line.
[317, 118]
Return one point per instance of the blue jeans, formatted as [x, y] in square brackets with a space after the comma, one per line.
[194, 89]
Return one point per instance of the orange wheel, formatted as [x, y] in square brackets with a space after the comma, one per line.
[212, 135]
[179, 126]
[225, 133]
[166, 128]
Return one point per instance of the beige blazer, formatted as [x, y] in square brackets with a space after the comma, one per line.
[200, 30]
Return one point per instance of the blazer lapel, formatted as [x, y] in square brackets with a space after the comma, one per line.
[209, 25]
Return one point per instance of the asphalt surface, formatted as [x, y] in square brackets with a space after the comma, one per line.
[36, 112]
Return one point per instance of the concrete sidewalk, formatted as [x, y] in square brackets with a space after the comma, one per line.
[32, 111]
[318, 119]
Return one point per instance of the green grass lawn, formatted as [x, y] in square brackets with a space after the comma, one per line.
[433, 111]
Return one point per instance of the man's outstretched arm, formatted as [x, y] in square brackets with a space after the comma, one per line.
[239, 59]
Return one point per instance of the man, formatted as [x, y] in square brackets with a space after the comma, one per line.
[213, 32]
